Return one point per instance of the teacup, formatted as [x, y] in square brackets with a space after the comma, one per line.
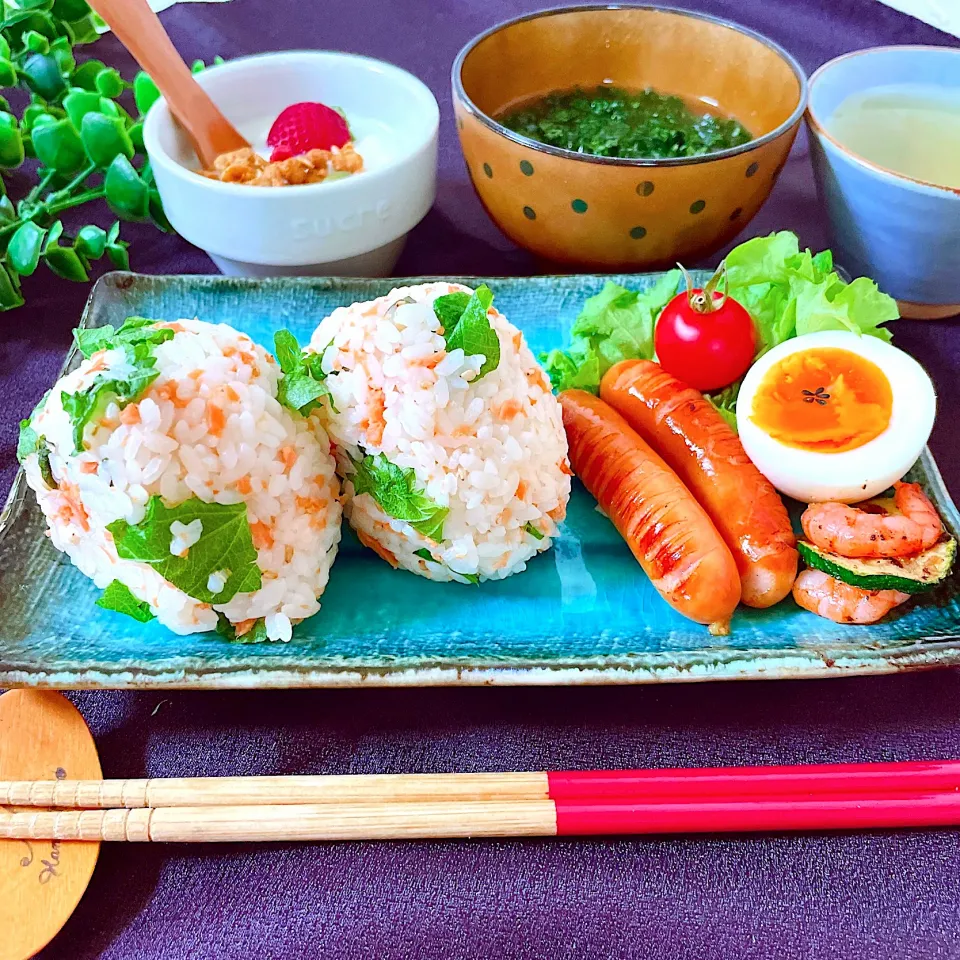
[902, 232]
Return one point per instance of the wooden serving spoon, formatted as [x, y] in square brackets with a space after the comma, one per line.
[42, 736]
[139, 29]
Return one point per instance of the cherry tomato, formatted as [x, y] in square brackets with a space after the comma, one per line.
[705, 338]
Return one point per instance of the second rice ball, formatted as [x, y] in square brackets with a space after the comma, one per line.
[447, 435]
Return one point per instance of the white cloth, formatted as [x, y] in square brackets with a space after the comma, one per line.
[943, 14]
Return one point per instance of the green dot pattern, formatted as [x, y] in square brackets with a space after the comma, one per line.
[697, 206]
[579, 206]
[752, 169]
[526, 168]
[645, 188]
[488, 170]
[736, 213]
[529, 213]
[638, 233]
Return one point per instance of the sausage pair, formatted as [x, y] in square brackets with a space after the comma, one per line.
[702, 521]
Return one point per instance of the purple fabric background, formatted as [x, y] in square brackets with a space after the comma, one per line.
[893, 895]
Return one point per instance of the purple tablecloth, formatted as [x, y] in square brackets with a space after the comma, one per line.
[893, 895]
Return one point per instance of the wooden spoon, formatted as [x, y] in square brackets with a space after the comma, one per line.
[140, 31]
[42, 736]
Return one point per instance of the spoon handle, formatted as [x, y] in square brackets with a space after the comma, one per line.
[139, 29]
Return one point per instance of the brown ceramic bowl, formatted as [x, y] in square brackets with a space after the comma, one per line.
[611, 213]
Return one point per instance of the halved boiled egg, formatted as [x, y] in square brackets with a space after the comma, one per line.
[835, 415]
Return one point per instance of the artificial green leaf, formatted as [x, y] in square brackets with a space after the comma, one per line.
[8, 212]
[58, 145]
[145, 92]
[225, 544]
[256, 634]
[42, 74]
[10, 296]
[35, 42]
[534, 531]
[127, 195]
[11, 142]
[85, 76]
[109, 83]
[32, 113]
[117, 253]
[65, 262]
[62, 51]
[78, 103]
[471, 331]
[23, 251]
[119, 597]
[4, 48]
[84, 30]
[135, 132]
[8, 73]
[396, 492]
[71, 10]
[104, 138]
[91, 241]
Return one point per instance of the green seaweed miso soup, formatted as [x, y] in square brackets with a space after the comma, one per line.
[909, 128]
[610, 121]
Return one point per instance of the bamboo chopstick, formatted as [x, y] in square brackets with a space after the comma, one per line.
[634, 785]
[523, 818]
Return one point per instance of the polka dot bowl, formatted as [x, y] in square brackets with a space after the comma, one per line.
[614, 213]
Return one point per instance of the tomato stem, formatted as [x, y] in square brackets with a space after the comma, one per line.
[702, 301]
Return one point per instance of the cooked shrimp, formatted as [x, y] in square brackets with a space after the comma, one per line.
[840, 602]
[852, 532]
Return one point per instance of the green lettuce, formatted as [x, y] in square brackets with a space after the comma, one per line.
[616, 324]
[788, 293]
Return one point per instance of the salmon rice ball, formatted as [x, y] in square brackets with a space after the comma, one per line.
[448, 438]
[170, 474]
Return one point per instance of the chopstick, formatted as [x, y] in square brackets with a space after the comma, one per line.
[447, 820]
[635, 786]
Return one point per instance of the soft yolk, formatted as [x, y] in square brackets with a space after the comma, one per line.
[825, 399]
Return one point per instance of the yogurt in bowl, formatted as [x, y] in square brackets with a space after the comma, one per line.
[355, 225]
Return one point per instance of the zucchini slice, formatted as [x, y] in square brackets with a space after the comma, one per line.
[906, 574]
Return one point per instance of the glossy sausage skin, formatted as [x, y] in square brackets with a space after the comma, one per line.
[668, 531]
[707, 455]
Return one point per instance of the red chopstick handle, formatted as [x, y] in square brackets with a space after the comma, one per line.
[752, 816]
[837, 778]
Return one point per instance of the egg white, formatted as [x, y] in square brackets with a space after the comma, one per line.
[852, 475]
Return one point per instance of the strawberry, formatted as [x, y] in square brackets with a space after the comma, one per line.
[306, 126]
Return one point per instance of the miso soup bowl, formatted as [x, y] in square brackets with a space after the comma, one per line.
[350, 227]
[902, 232]
[623, 214]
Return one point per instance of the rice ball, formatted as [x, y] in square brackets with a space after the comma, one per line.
[170, 474]
[448, 438]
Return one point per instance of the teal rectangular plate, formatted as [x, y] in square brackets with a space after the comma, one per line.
[583, 612]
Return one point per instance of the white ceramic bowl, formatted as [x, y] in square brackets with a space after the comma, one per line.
[350, 227]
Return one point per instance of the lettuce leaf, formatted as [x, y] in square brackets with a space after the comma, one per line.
[616, 324]
[788, 292]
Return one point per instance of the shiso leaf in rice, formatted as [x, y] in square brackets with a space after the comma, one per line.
[466, 326]
[91, 340]
[396, 493]
[225, 544]
[85, 405]
[534, 532]
[28, 441]
[256, 634]
[424, 554]
[120, 598]
[303, 383]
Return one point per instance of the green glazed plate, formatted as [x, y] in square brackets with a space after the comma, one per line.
[581, 613]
